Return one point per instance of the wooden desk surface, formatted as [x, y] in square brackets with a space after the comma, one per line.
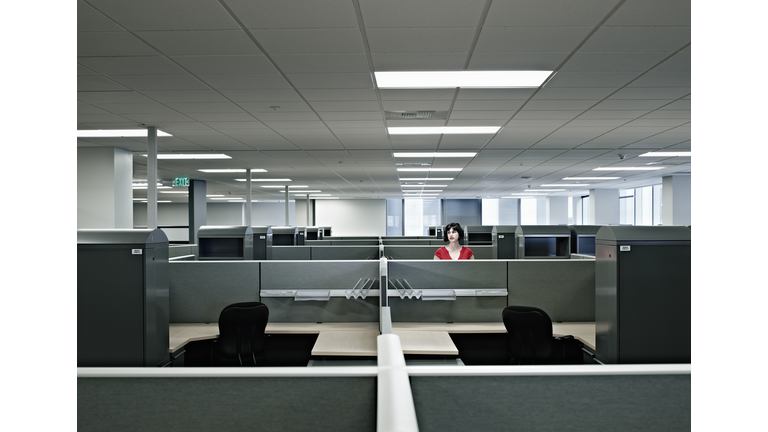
[416, 338]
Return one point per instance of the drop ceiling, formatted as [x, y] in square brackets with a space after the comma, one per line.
[211, 73]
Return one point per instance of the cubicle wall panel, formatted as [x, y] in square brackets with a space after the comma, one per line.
[564, 289]
[199, 290]
[399, 252]
[291, 253]
[449, 275]
[337, 309]
[553, 403]
[334, 276]
[334, 253]
[309, 404]
[463, 309]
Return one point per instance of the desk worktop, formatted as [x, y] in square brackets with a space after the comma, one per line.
[416, 338]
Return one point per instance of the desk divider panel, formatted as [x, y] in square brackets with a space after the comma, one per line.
[291, 253]
[199, 290]
[321, 291]
[564, 289]
[335, 253]
[479, 287]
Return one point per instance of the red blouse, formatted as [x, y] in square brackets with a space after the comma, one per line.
[443, 253]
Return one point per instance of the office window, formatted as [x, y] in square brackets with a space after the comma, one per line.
[419, 214]
[394, 217]
[626, 206]
[490, 212]
[528, 211]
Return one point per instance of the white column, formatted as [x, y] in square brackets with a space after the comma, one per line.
[287, 209]
[604, 206]
[248, 196]
[152, 177]
[104, 192]
[676, 200]
[557, 210]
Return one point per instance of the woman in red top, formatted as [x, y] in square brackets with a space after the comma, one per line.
[453, 251]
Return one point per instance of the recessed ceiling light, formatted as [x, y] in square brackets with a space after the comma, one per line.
[544, 190]
[665, 154]
[191, 156]
[627, 168]
[566, 185]
[591, 178]
[303, 191]
[435, 154]
[117, 133]
[429, 169]
[421, 186]
[231, 170]
[428, 179]
[446, 130]
[290, 186]
[174, 192]
[266, 180]
[464, 79]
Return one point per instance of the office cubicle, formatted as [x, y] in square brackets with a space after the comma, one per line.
[583, 239]
[285, 235]
[122, 297]
[643, 294]
[478, 234]
[262, 242]
[225, 243]
[542, 242]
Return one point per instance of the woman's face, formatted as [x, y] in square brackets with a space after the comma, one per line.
[453, 235]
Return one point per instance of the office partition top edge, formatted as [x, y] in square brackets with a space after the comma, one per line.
[550, 370]
[227, 372]
[121, 236]
[643, 233]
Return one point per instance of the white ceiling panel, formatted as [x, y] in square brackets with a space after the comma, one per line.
[211, 72]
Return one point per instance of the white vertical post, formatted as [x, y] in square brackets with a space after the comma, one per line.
[309, 212]
[248, 194]
[287, 221]
[152, 177]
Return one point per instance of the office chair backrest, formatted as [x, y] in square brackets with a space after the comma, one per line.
[529, 332]
[241, 333]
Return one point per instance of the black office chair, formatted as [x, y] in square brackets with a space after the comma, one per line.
[530, 340]
[241, 335]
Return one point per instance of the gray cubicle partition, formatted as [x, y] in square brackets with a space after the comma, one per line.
[564, 289]
[313, 233]
[503, 241]
[643, 294]
[225, 243]
[186, 252]
[400, 252]
[542, 242]
[122, 298]
[335, 253]
[291, 253]
[262, 242]
[478, 234]
[443, 291]
[321, 291]
[583, 238]
[284, 235]
[199, 290]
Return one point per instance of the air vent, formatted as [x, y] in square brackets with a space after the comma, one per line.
[416, 115]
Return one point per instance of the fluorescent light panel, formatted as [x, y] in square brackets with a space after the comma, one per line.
[566, 185]
[421, 186]
[267, 180]
[445, 130]
[289, 186]
[627, 169]
[191, 156]
[464, 79]
[666, 154]
[435, 154]
[253, 170]
[427, 179]
[117, 133]
[591, 178]
[430, 169]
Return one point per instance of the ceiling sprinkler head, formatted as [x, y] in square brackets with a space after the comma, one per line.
[622, 156]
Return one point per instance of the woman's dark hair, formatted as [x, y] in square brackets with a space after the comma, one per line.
[456, 227]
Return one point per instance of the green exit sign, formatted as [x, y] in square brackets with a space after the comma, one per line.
[181, 181]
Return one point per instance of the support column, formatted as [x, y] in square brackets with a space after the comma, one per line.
[604, 207]
[309, 218]
[104, 192]
[197, 208]
[287, 209]
[557, 210]
[152, 177]
[676, 200]
[248, 195]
